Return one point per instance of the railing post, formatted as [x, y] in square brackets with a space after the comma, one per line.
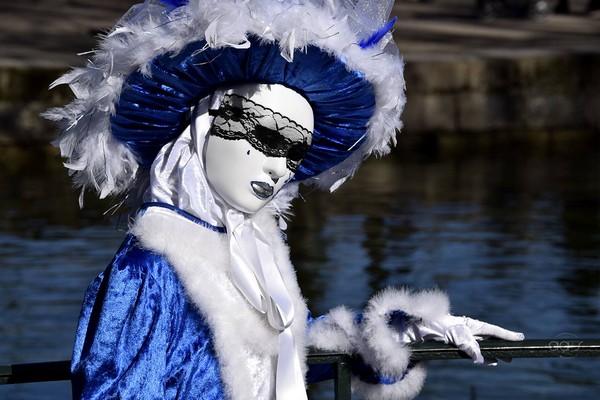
[342, 388]
[340, 364]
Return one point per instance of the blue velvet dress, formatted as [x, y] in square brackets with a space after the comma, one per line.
[139, 337]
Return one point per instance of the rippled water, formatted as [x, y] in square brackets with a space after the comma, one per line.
[513, 236]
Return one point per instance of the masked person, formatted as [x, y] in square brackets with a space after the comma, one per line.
[213, 113]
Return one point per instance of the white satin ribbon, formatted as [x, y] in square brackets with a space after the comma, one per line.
[257, 277]
[177, 176]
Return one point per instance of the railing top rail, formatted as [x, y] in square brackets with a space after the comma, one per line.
[531, 348]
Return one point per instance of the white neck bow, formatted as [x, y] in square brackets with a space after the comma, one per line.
[257, 277]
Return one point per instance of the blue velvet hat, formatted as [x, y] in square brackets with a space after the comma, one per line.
[135, 94]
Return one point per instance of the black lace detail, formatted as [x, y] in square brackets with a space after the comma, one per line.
[267, 131]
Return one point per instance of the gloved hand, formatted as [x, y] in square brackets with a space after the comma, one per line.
[463, 332]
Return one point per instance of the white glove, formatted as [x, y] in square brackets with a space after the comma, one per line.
[463, 332]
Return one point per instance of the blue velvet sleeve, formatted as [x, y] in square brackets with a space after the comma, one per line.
[138, 336]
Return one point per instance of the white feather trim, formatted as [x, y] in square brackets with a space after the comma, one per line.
[200, 258]
[427, 304]
[100, 162]
[408, 388]
[338, 331]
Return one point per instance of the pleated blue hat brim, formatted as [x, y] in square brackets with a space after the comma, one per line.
[154, 106]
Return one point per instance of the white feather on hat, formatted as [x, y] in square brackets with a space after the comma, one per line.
[98, 160]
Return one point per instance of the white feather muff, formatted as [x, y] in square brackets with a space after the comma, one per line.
[382, 345]
[98, 161]
[378, 343]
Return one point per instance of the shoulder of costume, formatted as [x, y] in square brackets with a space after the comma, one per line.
[183, 242]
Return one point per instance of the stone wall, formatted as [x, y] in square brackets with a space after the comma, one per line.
[528, 93]
[24, 95]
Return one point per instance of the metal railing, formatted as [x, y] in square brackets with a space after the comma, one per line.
[341, 368]
[536, 348]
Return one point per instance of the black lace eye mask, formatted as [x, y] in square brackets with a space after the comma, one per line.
[267, 131]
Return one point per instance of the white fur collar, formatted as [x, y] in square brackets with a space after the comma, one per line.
[200, 257]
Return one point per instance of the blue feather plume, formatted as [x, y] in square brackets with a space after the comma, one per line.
[174, 3]
[378, 35]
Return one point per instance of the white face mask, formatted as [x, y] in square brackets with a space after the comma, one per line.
[258, 138]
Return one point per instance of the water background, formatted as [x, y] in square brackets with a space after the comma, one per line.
[510, 231]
